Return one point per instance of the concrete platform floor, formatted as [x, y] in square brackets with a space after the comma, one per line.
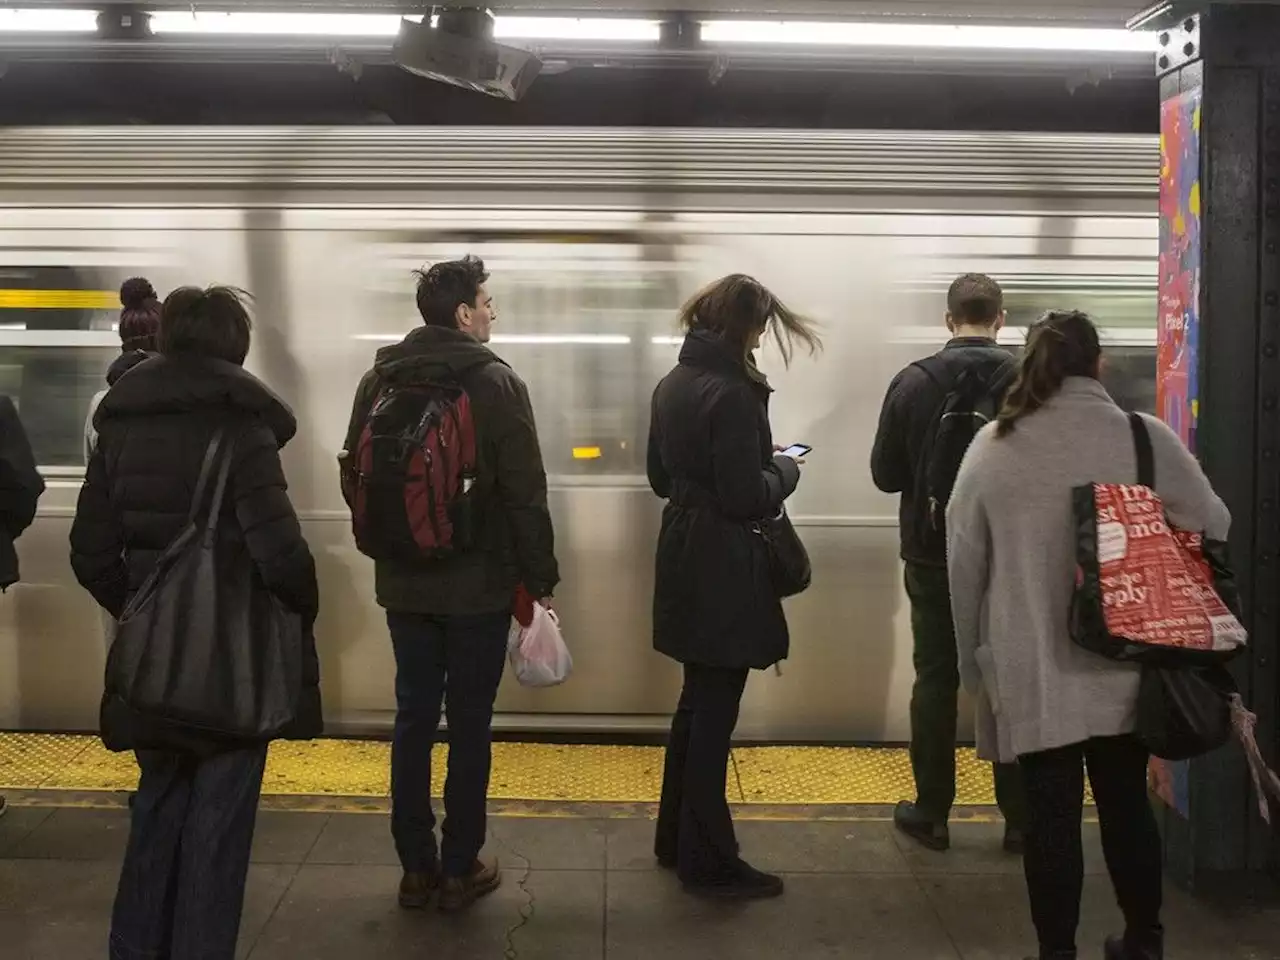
[322, 887]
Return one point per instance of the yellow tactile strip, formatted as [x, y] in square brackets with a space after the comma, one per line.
[521, 771]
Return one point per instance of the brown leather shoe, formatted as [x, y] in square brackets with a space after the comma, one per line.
[416, 889]
[458, 893]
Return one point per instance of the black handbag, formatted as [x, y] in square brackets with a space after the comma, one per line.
[204, 647]
[1184, 712]
[789, 569]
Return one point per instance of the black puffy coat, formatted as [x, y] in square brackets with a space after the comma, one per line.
[20, 489]
[711, 456]
[154, 426]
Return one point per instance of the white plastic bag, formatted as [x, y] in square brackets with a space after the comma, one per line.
[538, 653]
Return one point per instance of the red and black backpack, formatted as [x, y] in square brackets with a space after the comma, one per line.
[412, 473]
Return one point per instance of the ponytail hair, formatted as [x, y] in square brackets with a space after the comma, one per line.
[1061, 344]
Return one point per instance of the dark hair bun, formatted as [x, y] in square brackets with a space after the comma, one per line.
[135, 292]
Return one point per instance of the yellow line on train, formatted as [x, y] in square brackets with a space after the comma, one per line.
[59, 299]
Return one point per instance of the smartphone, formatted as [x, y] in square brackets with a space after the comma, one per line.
[797, 451]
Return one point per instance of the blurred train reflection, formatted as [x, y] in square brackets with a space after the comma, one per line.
[589, 266]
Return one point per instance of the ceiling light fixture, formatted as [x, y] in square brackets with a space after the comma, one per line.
[570, 28]
[382, 25]
[274, 24]
[936, 35]
[48, 21]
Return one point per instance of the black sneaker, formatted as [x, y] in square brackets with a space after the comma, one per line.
[1015, 841]
[920, 828]
[745, 882]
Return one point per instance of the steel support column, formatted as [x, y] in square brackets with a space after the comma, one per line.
[1220, 253]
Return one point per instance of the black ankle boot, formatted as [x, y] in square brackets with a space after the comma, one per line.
[1054, 955]
[1145, 945]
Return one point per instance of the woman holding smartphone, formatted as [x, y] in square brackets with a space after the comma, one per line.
[711, 456]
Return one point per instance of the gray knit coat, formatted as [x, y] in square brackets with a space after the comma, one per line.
[1011, 562]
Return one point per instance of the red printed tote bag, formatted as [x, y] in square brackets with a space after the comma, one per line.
[1146, 591]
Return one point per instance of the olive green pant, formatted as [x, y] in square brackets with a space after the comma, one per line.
[935, 705]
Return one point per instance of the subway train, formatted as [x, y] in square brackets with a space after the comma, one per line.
[593, 238]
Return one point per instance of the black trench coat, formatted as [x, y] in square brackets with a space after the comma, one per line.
[711, 456]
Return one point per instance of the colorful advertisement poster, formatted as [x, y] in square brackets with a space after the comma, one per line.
[1178, 320]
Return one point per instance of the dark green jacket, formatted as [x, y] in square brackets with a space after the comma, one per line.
[515, 543]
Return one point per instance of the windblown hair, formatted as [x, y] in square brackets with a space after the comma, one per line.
[737, 308]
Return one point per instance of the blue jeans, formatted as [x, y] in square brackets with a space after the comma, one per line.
[458, 659]
[182, 885]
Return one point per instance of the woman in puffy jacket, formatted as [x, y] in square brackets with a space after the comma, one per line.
[1044, 702]
[138, 324]
[711, 456]
[182, 885]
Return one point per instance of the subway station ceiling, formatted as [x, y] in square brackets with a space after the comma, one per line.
[351, 79]
[1112, 13]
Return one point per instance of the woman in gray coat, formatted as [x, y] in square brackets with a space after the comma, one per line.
[1043, 701]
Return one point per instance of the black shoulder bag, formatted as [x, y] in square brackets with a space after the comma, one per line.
[204, 647]
[789, 567]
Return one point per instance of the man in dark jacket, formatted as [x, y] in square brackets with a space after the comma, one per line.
[908, 421]
[20, 488]
[449, 618]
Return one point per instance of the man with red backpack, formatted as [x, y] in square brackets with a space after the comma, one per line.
[932, 412]
[444, 477]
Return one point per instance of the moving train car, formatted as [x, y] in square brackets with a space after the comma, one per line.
[594, 238]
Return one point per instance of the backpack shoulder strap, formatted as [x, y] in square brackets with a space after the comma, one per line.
[1143, 449]
[935, 368]
[944, 373]
[1002, 378]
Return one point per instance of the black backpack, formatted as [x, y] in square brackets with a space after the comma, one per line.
[973, 391]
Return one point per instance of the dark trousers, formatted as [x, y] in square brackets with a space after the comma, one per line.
[458, 659]
[695, 830]
[182, 885]
[1054, 860]
[935, 704]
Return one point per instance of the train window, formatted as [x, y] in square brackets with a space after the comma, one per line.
[56, 341]
[579, 321]
[1127, 307]
[1123, 306]
[1129, 374]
